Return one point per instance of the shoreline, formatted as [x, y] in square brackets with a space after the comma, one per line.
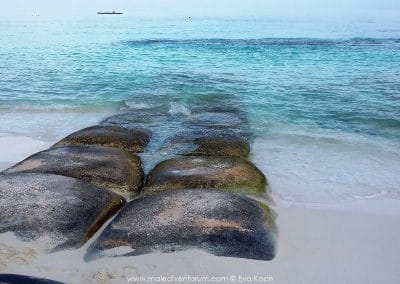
[346, 239]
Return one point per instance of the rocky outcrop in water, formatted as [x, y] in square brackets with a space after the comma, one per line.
[217, 119]
[220, 145]
[143, 118]
[63, 212]
[221, 223]
[208, 143]
[132, 140]
[107, 167]
[201, 191]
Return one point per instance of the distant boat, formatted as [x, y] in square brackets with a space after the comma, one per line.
[109, 13]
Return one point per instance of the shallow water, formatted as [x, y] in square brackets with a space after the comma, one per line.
[322, 95]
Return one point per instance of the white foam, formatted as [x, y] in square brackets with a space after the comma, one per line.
[176, 108]
[134, 105]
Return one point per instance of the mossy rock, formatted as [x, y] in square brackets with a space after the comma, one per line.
[107, 167]
[61, 212]
[224, 173]
[221, 146]
[209, 144]
[225, 146]
[221, 223]
[132, 140]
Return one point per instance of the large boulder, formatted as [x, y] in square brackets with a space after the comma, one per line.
[221, 223]
[227, 146]
[138, 118]
[208, 143]
[57, 211]
[133, 140]
[22, 279]
[225, 173]
[107, 167]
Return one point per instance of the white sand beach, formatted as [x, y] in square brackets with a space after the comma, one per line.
[351, 242]
[17, 147]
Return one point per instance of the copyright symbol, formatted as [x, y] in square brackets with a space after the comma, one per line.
[233, 278]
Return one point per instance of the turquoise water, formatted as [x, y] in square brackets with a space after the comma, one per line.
[322, 95]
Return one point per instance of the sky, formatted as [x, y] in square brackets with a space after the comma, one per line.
[18, 8]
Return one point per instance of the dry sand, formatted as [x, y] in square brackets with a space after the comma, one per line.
[14, 148]
[354, 242]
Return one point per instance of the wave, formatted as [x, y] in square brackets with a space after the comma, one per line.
[176, 108]
[131, 104]
[270, 42]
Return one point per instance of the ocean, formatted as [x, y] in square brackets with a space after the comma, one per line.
[322, 95]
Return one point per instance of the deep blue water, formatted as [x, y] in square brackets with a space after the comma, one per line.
[323, 83]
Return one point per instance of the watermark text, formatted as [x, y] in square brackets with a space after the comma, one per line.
[201, 279]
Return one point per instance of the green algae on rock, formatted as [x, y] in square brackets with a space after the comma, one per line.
[203, 141]
[224, 173]
[221, 146]
[60, 212]
[107, 167]
[209, 144]
[132, 140]
[222, 223]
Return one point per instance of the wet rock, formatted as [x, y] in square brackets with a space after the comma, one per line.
[221, 121]
[133, 140]
[217, 119]
[135, 119]
[221, 146]
[215, 102]
[208, 144]
[225, 173]
[60, 212]
[221, 223]
[22, 279]
[152, 116]
[107, 167]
